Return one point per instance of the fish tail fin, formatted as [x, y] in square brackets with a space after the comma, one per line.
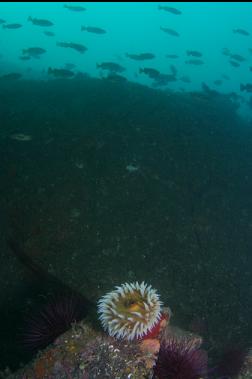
[83, 28]
[141, 70]
[49, 71]
[160, 7]
[98, 65]
[242, 87]
[127, 55]
[29, 18]
[24, 51]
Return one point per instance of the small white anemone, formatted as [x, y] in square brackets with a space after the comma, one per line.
[130, 311]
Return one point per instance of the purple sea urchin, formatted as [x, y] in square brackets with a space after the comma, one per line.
[130, 311]
[180, 359]
[52, 320]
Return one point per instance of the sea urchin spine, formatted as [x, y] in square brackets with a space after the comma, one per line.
[180, 359]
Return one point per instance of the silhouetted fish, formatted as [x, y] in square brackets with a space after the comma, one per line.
[40, 22]
[110, 66]
[49, 34]
[169, 9]
[151, 72]
[226, 51]
[12, 26]
[246, 87]
[172, 56]
[60, 72]
[115, 78]
[2, 21]
[218, 82]
[226, 77]
[169, 31]
[11, 76]
[208, 90]
[162, 80]
[237, 57]
[234, 64]
[194, 53]
[93, 29]
[140, 57]
[241, 31]
[71, 45]
[34, 52]
[74, 8]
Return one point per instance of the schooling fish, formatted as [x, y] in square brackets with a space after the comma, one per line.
[241, 31]
[93, 29]
[71, 45]
[163, 79]
[172, 56]
[11, 76]
[237, 57]
[115, 78]
[60, 72]
[194, 53]
[226, 77]
[74, 8]
[169, 9]
[234, 64]
[226, 51]
[169, 31]
[12, 26]
[49, 34]
[40, 22]
[151, 72]
[34, 52]
[110, 66]
[140, 57]
[246, 87]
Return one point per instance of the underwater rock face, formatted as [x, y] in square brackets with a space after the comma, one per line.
[84, 353]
